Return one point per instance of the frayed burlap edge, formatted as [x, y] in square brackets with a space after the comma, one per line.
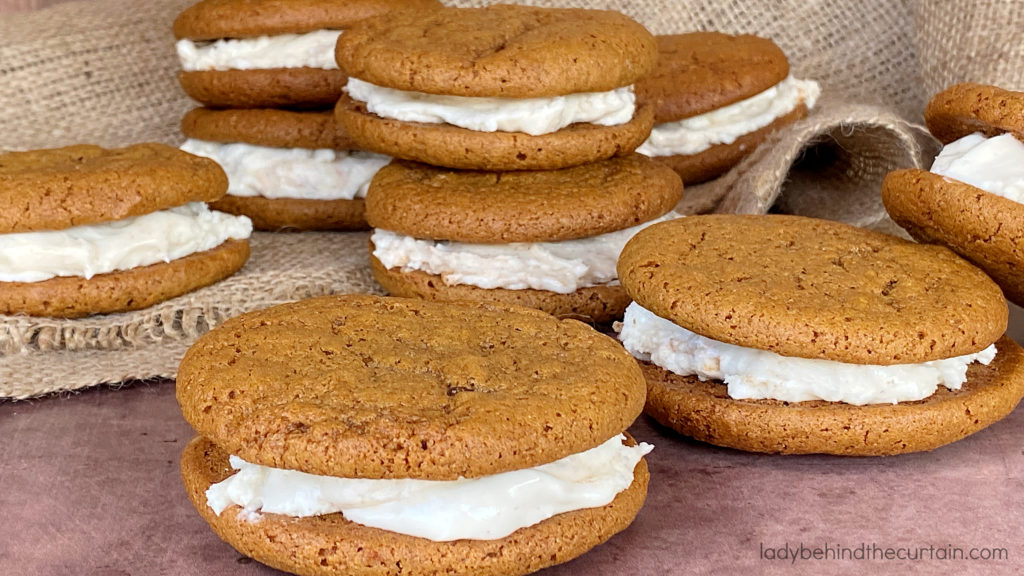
[43, 355]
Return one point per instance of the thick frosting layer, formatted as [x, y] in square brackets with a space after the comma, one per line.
[723, 126]
[483, 508]
[310, 50]
[101, 248]
[995, 165]
[561, 267]
[534, 116]
[321, 174]
[760, 374]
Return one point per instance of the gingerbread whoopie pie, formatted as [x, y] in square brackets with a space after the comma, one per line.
[498, 88]
[716, 97]
[287, 170]
[362, 435]
[544, 239]
[85, 230]
[791, 335]
[972, 199]
[269, 53]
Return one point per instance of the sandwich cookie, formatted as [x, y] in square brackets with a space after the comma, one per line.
[287, 170]
[543, 239]
[716, 97]
[269, 53]
[792, 335]
[497, 88]
[363, 435]
[971, 200]
[84, 230]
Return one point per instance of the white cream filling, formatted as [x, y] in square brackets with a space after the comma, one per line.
[534, 116]
[310, 50]
[723, 126]
[995, 165]
[111, 246]
[320, 174]
[760, 374]
[561, 267]
[484, 508]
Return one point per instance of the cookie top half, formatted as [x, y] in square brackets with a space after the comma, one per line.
[813, 289]
[702, 71]
[963, 109]
[371, 387]
[500, 50]
[525, 206]
[214, 19]
[58, 188]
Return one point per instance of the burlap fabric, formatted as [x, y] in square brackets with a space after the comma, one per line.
[104, 72]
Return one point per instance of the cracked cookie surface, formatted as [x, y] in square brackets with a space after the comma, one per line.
[501, 50]
[371, 387]
[59, 188]
[529, 206]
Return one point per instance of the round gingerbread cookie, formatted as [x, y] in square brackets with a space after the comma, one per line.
[269, 127]
[590, 304]
[298, 88]
[812, 289]
[296, 214]
[502, 50]
[61, 188]
[125, 290]
[331, 545]
[965, 108]
[530, 206]
[704, 411]
[370, 387]
[456, 147]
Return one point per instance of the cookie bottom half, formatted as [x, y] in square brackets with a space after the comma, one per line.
[126, 290]
[330, 544]
[296, 214]
[704, 411]
[593, 304]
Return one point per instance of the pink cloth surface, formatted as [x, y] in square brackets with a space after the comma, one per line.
[89, 484]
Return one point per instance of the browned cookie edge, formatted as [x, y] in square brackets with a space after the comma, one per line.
[331, 545]
[704, 411]
[123, 291]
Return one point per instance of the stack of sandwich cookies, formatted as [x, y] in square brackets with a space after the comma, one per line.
[287, 169]
[263, 53]
[716, 97]
[971, 200]
[497, 88]
[377, 436]
[809, 336]
[84, 230]
[544, 239]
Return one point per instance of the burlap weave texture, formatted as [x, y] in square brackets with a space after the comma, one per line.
[103, 71]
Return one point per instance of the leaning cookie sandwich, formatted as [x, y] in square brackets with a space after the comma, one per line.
[365, 435]
[972, 199]
[792, 335]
